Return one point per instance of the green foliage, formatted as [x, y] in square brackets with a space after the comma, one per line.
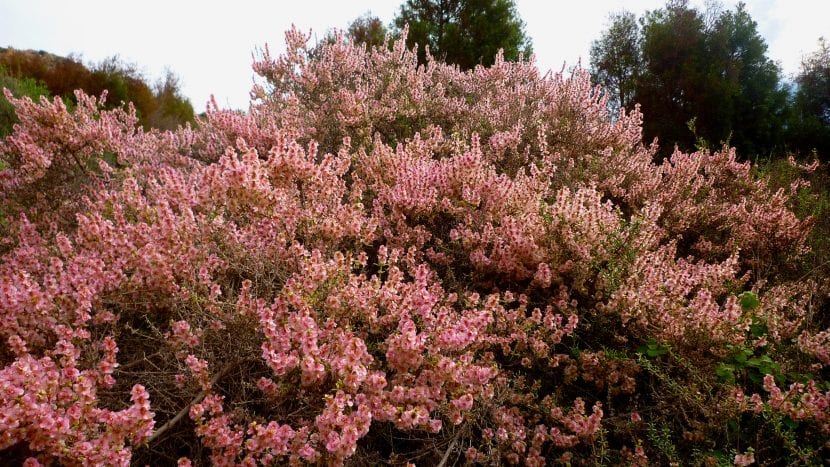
[616, 60]
[163, 107]
[685, 65]
[660, 438]
[749, 301]
[172, 109]
[652, 349]
[19, 87]
[746, 363]
[811, 200]
[716, 457]
[367, 29]
[748, 105]
[810, 129]
[784, 429]
[749, 362]
[464, 32]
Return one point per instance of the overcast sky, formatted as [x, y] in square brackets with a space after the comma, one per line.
[209, 44]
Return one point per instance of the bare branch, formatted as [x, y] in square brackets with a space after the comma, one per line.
[173, 421]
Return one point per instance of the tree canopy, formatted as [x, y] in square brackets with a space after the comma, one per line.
[464, 32]
[617, 59]
[701, 77]
[367, 29]
[811, 119]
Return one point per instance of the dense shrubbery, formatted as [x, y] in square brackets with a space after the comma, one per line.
[157, 106]
[383, 262]
[18, 87]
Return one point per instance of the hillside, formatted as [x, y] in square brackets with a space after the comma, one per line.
[158, 105]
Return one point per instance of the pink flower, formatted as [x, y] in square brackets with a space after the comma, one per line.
[747, 458]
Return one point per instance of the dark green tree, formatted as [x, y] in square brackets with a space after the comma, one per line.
[672, 85]
[464, 32]
[814, 82]
[811, 116]
[616, 61]
[745, 101]
[367, 29]
[701, 77]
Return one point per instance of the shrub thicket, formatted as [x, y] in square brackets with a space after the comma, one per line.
[157, 106]
[387, 262]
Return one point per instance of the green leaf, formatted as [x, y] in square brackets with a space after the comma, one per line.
[800, 377]
[749, 301]
[652, 348]
[790, 423]
[742, 356]
[758, 329]
[725, 373]
[769, 367]
[656, 352]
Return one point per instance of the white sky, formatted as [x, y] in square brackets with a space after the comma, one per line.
[208, 44]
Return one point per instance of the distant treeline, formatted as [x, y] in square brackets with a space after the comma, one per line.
[35, 73]
[703, 77]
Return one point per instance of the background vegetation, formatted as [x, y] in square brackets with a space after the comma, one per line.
[704, 75]
[158, 105]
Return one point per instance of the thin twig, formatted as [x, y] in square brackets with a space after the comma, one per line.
[447, 452]
[813, 270]
[136, 362]
[170, 423]
[81, 165]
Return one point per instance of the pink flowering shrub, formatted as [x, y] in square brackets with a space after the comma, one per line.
[382, 262]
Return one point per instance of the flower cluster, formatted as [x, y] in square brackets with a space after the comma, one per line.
[52, 406]
[799, 402]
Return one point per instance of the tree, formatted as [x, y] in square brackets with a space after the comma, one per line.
[367, 29]
[616, 61]
[673, 78]
[814, 82]
[464, 32]
[704, 71]
[745, 102]
[811, 126]
[171, 108]
[123, 82]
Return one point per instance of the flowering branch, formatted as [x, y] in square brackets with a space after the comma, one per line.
[184, 411]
